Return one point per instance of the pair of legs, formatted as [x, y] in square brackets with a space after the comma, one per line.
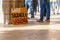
[28, 4]
[44, 6]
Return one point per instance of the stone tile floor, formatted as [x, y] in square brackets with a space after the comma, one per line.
[40, 34]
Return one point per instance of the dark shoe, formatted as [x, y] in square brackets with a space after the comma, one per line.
[31, 18]
[47, 20]
[39, 20]
[28, 18]
[29, 13]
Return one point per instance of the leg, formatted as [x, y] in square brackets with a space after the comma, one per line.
[41, 9]
[26, 5]
[31, 9]
[48, 10]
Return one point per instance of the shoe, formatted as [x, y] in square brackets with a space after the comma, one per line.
[28, 18]
[31, 18]
[39, 20]
[47, 20]
[29, 13]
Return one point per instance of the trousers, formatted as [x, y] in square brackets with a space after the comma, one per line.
[45, 6]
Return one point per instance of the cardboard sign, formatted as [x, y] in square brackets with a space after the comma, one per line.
[19, 16]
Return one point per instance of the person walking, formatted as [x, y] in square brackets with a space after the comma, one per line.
[44, 6]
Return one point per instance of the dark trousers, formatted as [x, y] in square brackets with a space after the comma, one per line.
[45, 6]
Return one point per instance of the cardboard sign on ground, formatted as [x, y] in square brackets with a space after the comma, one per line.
[19, 16]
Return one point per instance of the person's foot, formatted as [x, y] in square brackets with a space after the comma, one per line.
[29, 13]
[39, 20]
[28, 18]
[31, 18]
[47, 20]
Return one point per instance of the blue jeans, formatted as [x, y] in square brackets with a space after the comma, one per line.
[44, 6]
[28, 4]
